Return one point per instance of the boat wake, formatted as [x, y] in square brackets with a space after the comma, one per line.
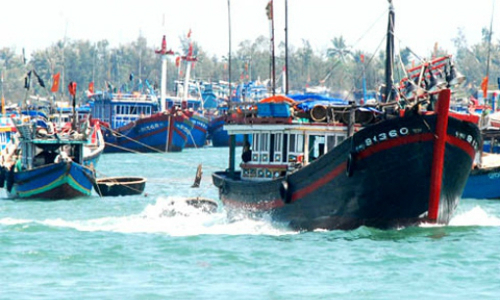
[475, 217]
[172, 216]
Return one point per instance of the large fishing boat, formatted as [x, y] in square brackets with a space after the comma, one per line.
[137, 125]
[395, 163]
[192, 107]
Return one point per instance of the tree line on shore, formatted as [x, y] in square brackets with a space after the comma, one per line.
[126, 67]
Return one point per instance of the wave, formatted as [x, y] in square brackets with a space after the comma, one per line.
[477, 216]
[171, 216]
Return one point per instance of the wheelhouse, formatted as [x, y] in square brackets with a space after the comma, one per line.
[278, 150]
[121, 109]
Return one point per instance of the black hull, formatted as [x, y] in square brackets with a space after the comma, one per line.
[379, 178]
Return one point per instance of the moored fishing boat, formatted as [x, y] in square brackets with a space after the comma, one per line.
[136, 125]
[403, 166]
[47, 167]
[484, 179]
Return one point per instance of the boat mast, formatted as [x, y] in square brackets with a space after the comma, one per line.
[189, 58]
[486, 78]
[229, 56]
[286, 47]
[270, 16]
[3, 99]
[389, 62]
[163, 84]
[232, 137]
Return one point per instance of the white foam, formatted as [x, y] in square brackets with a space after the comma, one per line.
[475, 217]
[171, 216]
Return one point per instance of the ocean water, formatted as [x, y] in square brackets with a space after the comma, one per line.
[154, 246]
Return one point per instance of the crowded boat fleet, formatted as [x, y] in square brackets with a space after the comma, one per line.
[307, 158]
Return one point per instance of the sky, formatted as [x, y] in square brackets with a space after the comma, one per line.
[35, 24]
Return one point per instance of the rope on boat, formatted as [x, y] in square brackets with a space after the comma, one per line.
[192, 139]
[132, 140]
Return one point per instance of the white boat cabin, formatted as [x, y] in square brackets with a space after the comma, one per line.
[280, 149]
[120, 109]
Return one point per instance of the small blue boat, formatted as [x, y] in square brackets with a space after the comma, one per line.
[483, 183]
[47, 167]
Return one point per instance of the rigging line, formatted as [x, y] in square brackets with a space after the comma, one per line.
[132, 140]
[384, 13]
[351, 91]
[192, 139]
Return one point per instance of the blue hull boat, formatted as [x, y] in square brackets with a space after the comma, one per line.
[158, 133]
[484, 181]
[64, 180]
[198, 135]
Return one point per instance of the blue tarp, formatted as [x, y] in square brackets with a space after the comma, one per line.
[308, 101]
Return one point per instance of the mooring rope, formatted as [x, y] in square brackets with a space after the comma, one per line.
[132, 140]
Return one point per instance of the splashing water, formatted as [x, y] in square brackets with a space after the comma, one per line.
[475, 217]
[171, 216]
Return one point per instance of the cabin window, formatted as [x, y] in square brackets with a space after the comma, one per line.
[277, 139]
[255, 147]
[295, 147]
[264, 147]
[316, 146]
[292, 142]
[330, 142]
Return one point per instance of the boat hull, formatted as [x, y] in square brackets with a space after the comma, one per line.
[65, 180]
[483, 184]
[219, 136]
[151, 134]
[198, 135]
[380, 178]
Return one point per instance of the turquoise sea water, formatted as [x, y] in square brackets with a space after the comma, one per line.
[136, 248]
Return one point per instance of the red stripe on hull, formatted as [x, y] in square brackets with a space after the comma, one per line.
[425, 137]
[319, 183]
[465, 146]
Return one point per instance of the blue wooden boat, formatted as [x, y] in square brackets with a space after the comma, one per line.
[47, 167]
[199, 134]
[219, 136]
[192, 108]
[137, 125]
[484, 182]
[484, 178]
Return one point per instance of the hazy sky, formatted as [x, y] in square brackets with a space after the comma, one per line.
[35, 24]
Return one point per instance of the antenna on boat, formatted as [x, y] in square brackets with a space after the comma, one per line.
[389, 63]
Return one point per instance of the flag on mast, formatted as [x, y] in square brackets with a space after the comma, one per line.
[269, 10]
[55, 83]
